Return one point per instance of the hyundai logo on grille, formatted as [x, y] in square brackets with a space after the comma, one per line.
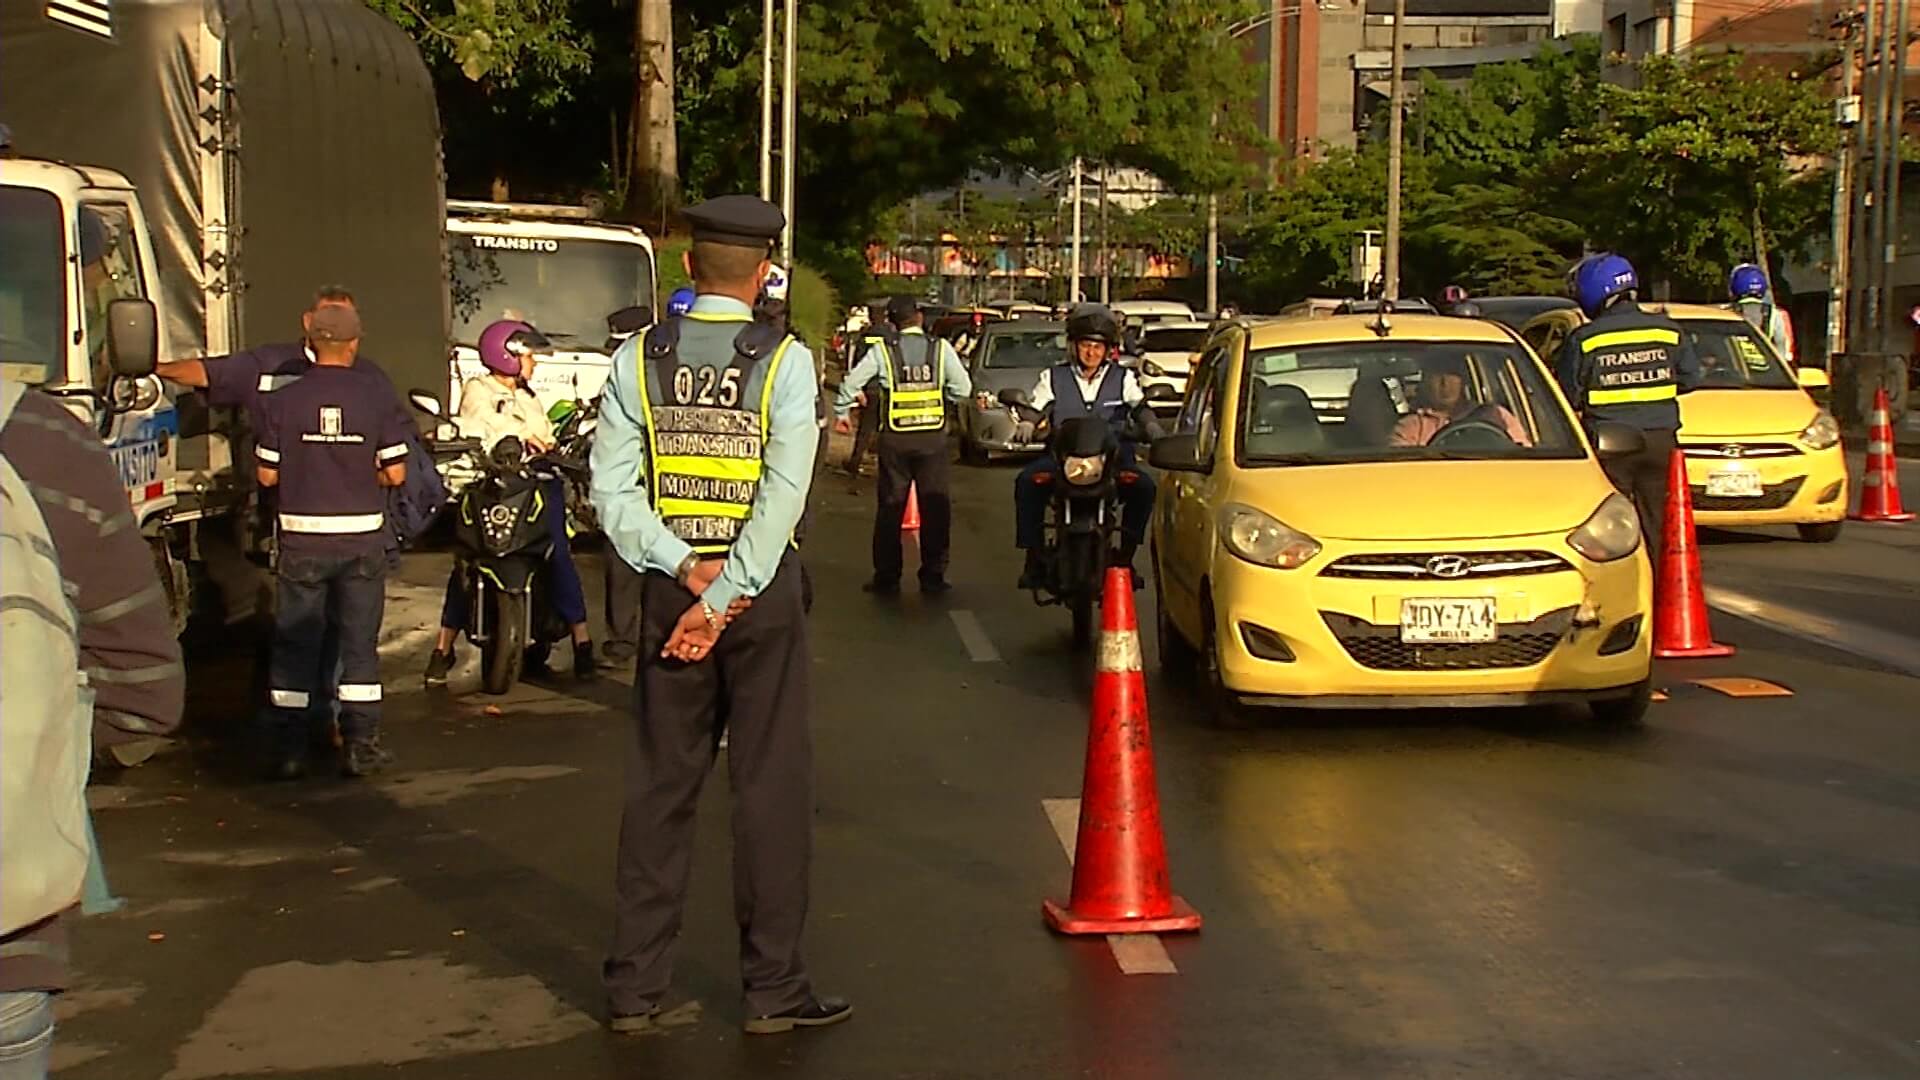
[1448, 566]
[1735, 450]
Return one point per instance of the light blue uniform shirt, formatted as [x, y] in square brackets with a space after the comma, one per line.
[953, 374]
[620, 459]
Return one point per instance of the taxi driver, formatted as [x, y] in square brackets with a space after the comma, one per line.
[1443, 401]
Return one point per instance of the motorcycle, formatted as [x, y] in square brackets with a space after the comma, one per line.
[1082, 537]
[573, 424]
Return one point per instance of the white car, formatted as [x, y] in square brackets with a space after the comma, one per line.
[1167, 352]
[1152, 312]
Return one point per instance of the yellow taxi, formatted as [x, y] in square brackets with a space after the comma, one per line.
[1759, 449]
[1357, 513]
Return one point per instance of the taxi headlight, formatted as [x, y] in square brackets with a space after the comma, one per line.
[1823, 433]
[1262, 539]
[1613, 532]
[1085, 470]
[1153, 369]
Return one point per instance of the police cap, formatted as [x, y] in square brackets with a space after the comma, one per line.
[736, 220]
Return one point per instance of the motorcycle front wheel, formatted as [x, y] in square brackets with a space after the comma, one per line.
[506, 645]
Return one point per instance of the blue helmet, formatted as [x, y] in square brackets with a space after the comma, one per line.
[1600, 278]
[1747, 282]
[681, 301]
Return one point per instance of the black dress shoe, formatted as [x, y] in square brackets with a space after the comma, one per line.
[935, 586]
[882, 588]
[816, 1012]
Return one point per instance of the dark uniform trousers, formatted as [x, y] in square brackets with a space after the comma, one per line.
[1645, 478]
[327, 601]
[756, 687]
[622, 601]
[912, 458]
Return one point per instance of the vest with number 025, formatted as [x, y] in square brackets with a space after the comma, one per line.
[915, 384]
[707, 423]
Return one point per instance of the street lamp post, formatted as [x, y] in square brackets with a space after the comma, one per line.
[1073, 286]
[787, 150]
[1213, 253]
[766, 100]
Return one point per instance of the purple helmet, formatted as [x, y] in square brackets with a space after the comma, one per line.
[503, 343]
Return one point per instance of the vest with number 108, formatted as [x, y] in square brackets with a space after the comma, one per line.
[914, 383]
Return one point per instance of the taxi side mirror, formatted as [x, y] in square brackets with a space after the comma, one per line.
[133, 337]
[1176, 453]
[1812, 378]
[1611, 440]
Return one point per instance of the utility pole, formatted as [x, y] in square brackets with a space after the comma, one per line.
[1106, 246]
[1860, 184]
[1896, 115]
[1073, 285]
[787, 150]
[766, 100]
[1846, 113]
[1396, 132]
[1213, 254]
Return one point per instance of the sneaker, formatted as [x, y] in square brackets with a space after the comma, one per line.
[816, 1012]
[364, 757]
[935, 586]
[439, 665]
[585, 668]
[639, 1023]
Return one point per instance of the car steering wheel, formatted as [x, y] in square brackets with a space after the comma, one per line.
[1472, 433]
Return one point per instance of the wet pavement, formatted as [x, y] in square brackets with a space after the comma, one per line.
[1734, 892]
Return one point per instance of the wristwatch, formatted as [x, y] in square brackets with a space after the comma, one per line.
[685, 570]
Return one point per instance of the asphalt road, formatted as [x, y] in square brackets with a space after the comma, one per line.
[1734, 892]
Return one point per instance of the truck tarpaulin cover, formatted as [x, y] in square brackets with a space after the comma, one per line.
[333, 170]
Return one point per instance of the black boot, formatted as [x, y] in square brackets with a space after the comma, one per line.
[584, 666]
[1129, 549]
[1034, 575]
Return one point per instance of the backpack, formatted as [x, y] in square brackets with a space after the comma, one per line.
[46, 714]
[413, 506]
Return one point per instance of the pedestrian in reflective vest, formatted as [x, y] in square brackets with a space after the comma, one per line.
[919, 376]
[701, 462]
[1628, 365]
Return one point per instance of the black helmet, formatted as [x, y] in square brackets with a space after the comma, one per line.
[1093, 323]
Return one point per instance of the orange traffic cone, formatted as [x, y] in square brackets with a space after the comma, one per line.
[1120, 882]
[910, 521]
[1880, 490]
[1679, 605]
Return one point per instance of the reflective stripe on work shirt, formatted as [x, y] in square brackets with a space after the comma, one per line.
[914, 396]
[1651, 335]
[704, 489]
[288, 699]
[1634, 394]
[333, 524]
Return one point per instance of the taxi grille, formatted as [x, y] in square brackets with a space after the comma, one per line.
[1774, 497]
[1518, 645]
[1451, 565]
[1739, 451]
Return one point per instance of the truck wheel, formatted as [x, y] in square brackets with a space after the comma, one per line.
[1626, 713]
[1825, 532]
[506, 647]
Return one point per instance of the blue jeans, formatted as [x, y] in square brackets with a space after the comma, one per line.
[26, 1035]
[1030, 502]
[318, 593]
[569, 597]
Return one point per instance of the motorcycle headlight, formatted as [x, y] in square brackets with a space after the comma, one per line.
[1153, 369]
[1084, 470]
[1823, 433]
[1612, 532]
[1263, 539]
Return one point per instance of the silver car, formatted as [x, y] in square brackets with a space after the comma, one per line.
[1008, 354]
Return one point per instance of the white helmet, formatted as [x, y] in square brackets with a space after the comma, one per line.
[774, 287]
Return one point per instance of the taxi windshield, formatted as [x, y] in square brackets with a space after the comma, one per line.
[1733, 356]
[33, 294]
[1024, 350]
[1399, 401]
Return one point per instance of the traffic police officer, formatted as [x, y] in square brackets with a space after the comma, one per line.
[919, 376]
[332, 443]
[1628, 365]
[1752, 297]
[701, 464]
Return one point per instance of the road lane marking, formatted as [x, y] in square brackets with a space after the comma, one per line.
[974, 637]
[1137, 954]
[1895, 651]
[1742, 687]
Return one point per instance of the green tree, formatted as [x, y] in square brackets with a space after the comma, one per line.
[1709, 162]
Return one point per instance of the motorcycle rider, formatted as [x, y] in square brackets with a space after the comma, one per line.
[681, 301]
[1628, 365]
[1747, 286]
[492, 407]
[1090, 381]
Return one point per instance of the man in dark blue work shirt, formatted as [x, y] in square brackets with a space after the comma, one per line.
[332, 443]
